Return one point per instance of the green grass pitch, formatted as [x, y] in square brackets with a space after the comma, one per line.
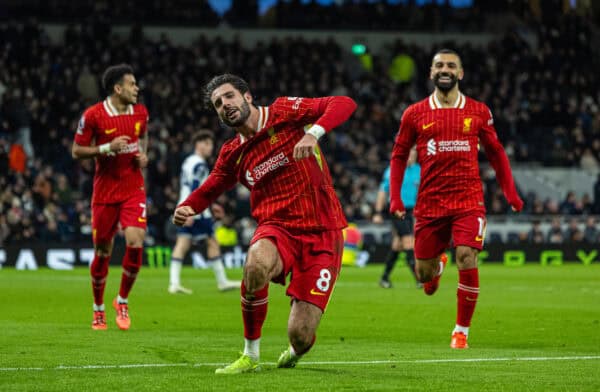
[535, 329]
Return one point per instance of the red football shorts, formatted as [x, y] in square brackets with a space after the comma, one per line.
[105, 217]
[433, 235]
[314, 260]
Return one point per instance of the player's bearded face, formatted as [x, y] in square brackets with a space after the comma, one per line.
[445, 80]
[235, 116]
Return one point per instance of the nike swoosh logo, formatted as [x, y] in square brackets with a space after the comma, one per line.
[142, 220]
[315, 292]
[478, 238]
[426, 126]
[109, 131]
[239, 159]
[471, 299]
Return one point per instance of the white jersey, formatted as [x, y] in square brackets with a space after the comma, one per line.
[194, 172]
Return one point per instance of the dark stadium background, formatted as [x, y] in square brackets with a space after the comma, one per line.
[533, 62]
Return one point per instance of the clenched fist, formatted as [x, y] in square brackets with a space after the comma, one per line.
[181, 215]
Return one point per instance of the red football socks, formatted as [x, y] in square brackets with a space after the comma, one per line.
[254, 311]
[99, 272]
[467, 293]
[132, 261]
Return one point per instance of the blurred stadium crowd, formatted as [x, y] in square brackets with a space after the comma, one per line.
[544, 98]
[397, 15]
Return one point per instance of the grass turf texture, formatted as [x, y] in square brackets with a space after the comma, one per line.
[395, 339]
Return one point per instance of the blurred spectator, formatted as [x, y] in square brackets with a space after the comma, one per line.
[573, 233]
[4, 149]
[63, 194]
[535, 236]
[42, 190]
[403, 67]
[586, 204]
[555, 233]
[596, 205]
[590, 233]
[16, 113]
[588, 161]
[87, 86]
[551, 207]
[569, 205]
[4, 229]
[17, 159]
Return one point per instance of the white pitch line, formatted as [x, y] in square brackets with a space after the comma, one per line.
[135, 365]
[349, 363]
[585, 357]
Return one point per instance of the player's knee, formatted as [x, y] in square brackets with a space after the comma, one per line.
[466, 258]
[424, 273]
[103, 250]
[256, 274]
[134, 237]
[135, 242]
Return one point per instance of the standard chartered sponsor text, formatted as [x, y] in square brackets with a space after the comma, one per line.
[269, 165]
[453, 145]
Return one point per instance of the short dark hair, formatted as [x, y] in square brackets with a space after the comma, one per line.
[448, 51]
[201, 135]
[114, 75]
[238, 83]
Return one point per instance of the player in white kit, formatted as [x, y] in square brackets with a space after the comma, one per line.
[194, 171]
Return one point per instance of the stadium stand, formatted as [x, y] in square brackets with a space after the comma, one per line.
[544, 98]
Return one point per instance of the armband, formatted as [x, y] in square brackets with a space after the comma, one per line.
[317, 131]
[104, 148]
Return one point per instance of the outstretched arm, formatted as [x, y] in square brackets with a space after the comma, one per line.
[405, 139]
[202, 197]
[218, 181]
[499, 161]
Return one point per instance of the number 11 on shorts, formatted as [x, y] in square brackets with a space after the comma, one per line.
[480, 237]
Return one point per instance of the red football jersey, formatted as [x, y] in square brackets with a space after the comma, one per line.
[117, 176]
[447, 141]
[283, 191]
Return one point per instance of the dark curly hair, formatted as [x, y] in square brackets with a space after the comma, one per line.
[114, 75]
[238, 83]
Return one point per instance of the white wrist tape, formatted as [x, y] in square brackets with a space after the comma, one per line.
[104, 148]
[317, 131]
